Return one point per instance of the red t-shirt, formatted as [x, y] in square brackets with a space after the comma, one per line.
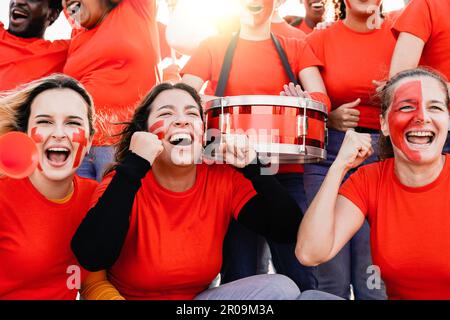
[428, 20]
[304, 27]
[351, 61]
[409, 229]
[23, 60]
[117, 63]
[173, 249]
[247, 77]
[35, 235]
[286, 30]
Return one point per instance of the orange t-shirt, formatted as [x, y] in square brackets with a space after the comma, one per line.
[246, 75]
[286, 30]
[23, 60]
[117, 63]
[173, 249]
[304, 27]
[351, 61]
[35, 235]
[428, 20]
[409, 229]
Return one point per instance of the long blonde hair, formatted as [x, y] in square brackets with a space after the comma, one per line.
[15, 105]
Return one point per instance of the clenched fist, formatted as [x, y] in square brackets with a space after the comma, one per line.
[355, 148]
[146, 145]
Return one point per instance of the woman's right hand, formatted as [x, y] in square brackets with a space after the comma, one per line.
[355, 148]
[344, 117]
[146, 145]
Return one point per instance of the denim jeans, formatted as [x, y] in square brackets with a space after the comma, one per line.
[262, 287]
[349, 267]
[243, 254]
[95, 162]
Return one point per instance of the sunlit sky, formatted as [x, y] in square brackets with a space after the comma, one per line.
[213, 8]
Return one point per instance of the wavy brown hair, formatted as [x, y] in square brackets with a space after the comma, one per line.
[15, 105]
[140, 118]
[386, 96]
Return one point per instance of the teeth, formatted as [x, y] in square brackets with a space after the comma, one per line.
[19, 13]
[420, 134]
[180, 136]
[255, 7]
[317, 5]
[58, 150]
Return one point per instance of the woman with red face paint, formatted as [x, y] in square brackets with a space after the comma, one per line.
[114, 54]
[404, 196]
[41, 213]
[158, 219]
[256, 68]
[360, 37]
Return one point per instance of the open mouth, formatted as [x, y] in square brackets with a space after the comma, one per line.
[317, 5]
[18, 15]
[57, 156]
[181, 139]
[420, 138]
[255, 8]
[74, 8]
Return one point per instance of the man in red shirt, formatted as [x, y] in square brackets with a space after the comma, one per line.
[24, 54]
[315, 11]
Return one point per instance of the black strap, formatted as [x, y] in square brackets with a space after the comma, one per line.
[284, 60]
[226, 66]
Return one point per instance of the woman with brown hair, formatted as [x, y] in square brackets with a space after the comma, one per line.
[393, 194]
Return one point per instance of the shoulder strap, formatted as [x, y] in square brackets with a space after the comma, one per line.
[284, 59]
[226, 66]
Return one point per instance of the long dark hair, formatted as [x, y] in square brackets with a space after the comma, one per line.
[386, 96]
[140, 118]
[340, 10]
[15, 106]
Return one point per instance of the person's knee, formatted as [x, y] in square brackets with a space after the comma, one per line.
[283, 288]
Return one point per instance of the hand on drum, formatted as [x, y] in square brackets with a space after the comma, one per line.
[146, 145]
[344, 117]
[292, 90]
[355, 148]
[237, 150]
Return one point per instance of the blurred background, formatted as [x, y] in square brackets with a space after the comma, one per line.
[206, 10]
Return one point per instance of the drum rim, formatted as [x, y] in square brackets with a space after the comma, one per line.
[264, 100]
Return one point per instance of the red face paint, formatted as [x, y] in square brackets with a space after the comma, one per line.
[347, 3]
[37, 138]
[79, 137]
[400, 122]
[158, 129]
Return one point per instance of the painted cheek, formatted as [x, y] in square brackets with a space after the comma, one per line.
[347, 3]
[400, 121]
[37, 138]
[79, 137]
[158, 129]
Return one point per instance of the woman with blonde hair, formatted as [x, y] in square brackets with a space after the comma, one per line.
[40, 213]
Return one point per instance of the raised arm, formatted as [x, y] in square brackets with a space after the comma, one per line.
[407, 53]
[331, 220]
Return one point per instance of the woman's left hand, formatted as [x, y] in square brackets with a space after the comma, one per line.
[292, 90]
[237, 150]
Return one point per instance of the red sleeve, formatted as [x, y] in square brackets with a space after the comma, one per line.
[242, 192]
[200, 62]
[315, 41]
[101, 188]
[146, 7]
[356, 189]
[306, 57]
[415, 19]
